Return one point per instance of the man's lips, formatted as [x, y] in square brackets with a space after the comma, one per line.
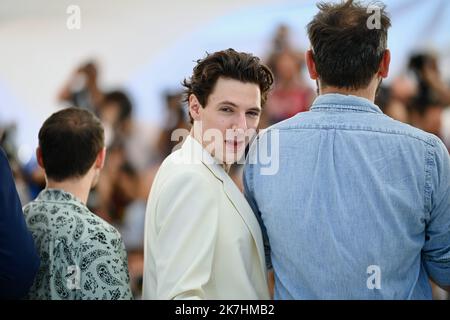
[235, 143]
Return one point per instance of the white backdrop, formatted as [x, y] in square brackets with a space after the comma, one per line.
[149, 46]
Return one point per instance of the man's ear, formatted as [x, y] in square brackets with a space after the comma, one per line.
[311, 64]
[39, 157]
[194, 107]
[100, 160]
[385, 63]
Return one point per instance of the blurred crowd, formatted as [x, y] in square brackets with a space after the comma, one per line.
[419, 97]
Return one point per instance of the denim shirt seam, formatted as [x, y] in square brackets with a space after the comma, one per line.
[429, 164]
[341, 107]
[427, 141]
[249, 176]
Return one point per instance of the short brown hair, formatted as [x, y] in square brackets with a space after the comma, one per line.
[229, 64]
[347, 53]
[70, 141]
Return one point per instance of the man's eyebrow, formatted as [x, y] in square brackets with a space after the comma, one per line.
[255, 109]
[228, 103]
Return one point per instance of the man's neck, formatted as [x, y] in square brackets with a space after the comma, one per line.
[367, 93]
[226, 167]
[77, 187]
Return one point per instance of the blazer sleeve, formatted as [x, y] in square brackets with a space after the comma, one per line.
[19, 260]
[187, 226]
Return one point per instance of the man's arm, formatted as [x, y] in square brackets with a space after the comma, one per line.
[19, 260]
[187, 225]
[436, 251]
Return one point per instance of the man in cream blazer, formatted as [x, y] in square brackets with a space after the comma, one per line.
[202, 240]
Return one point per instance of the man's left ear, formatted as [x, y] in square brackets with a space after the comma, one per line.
[194, 107]
[385, 63]
[100, 160]
[39, 158]
[311, 64]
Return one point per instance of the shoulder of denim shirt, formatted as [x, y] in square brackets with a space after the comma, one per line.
[385, 125]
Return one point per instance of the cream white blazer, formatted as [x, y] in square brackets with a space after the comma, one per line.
[202, 240]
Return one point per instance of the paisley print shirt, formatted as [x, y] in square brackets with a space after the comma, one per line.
[82, 256]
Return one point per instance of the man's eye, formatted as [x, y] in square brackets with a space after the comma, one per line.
[226, 109]
[253, 114]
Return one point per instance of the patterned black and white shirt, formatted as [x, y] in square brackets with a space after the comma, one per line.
[82, 256]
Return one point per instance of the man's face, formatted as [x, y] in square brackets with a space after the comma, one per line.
[229, 120]
[287, 67]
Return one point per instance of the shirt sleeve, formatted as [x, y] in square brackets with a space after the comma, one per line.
[250, 196]
[19, 261]
[104, 268]
[436, 251]
[187, 224]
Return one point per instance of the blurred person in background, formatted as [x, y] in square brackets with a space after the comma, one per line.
[82, 89]
[281, 40]
[19, 260]
[115, 112]
[127, 141]
[427, 115]
[139, 139]
[403, 88]
[359, 207]
[291, 94]
[176, 118]
[202, 240]
[29, 177]
[102, 199]
[135, 190]
[82, 256]
[432, 99]
[391, 106]
[21, 178]
[431, 87]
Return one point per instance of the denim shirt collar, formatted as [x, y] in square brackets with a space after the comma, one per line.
[340, 102]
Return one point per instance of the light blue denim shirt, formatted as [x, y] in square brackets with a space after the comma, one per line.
[355, 204]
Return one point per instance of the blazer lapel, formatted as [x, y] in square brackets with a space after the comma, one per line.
[198, 154]
[243, 208]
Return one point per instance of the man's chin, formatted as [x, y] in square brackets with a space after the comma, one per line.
[234, 157]
[230, 156]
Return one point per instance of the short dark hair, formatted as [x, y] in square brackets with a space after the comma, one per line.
[70, 141]
[347, 53]
[228, 64]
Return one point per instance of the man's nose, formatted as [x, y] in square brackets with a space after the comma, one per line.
[240, 122]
